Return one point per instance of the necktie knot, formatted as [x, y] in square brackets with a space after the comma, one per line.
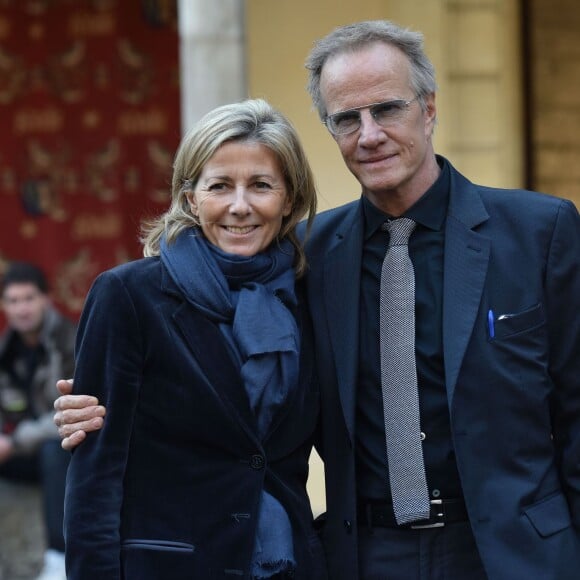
[400, 231]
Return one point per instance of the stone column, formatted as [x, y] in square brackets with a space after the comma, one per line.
[212, 59]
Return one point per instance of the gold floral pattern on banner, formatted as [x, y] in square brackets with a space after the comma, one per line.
[89, 110]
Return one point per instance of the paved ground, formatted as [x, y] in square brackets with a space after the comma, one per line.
[21, 533]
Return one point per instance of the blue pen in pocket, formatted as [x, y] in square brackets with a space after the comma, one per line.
[491, 323]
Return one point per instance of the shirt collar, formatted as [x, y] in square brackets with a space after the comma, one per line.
[429, 210]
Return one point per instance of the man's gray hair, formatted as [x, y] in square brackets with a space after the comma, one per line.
[353, 37]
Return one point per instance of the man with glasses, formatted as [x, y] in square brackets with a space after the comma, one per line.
[462, 460]
[494, 486]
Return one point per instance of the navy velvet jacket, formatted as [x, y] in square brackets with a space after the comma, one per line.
[169, 488]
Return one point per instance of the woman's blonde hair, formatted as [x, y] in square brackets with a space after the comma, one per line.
[253, 121]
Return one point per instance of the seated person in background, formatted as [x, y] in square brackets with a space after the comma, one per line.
[36, 349]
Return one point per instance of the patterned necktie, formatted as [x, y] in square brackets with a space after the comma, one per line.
[399, 377]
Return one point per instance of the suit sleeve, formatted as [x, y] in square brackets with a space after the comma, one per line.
[563, 300]
[108, 365]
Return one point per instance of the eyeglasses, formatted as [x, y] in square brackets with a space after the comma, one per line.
[384, 114]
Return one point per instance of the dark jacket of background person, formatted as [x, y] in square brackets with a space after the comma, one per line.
[514, 397]
[34, 424]
[194, 458]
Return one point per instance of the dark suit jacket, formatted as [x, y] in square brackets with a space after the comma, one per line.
[514, 399]
[169, 489]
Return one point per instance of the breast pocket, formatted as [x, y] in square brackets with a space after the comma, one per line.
[509, 324]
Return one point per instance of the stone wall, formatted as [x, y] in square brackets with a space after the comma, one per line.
[555, 100]
[21, 531]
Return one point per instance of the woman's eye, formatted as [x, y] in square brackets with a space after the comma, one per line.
[263, 185]
[216, 187]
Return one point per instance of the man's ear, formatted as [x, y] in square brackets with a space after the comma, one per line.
[430, 114]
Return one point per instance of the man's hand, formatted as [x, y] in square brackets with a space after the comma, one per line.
[76, 415]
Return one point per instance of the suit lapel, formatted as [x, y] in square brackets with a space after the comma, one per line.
[341, 290]
[465, 267]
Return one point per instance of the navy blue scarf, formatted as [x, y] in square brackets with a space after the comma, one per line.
[249, 297]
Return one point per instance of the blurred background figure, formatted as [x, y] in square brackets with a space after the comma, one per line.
[35, 349]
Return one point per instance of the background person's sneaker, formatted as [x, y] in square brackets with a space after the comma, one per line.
[54, 568]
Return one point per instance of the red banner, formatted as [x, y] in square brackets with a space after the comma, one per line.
[89, 122]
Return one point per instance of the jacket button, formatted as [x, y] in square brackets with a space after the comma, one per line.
[348, 526]
[257, 462]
